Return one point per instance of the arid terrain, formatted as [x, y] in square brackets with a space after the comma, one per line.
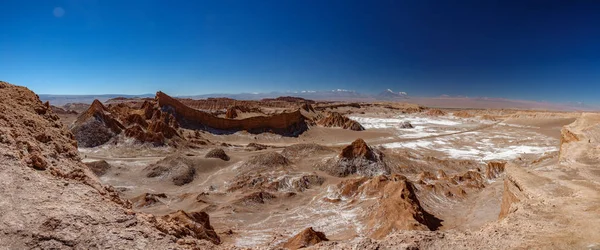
[288, 173]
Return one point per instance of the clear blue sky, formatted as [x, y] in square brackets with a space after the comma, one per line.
[539, 50]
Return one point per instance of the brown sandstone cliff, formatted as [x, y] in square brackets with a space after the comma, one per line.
[285, 123]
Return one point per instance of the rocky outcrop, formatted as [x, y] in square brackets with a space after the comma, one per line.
[337, 120]
[55, 201]
[493, 169]
[391, 197]
[182, 224]
[580, 140]
[96, 126]
[291, 124]
[308, 237]
[357, 158]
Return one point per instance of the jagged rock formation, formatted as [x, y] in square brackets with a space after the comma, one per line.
[96, 126]
[54, 201]
[335, 119]
[357, 158]
[390, 197]
[308, 237]
[100, 124]
[98, 167]
[217, 153]
[494, 169]
[291, 124]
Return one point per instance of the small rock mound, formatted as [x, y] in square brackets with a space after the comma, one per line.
[308, 237]
[179, 169]
[357, 158]
[335, 119]
[181, 224]
[435, 112]
[217, 153]
[266, 161]
[98, 167]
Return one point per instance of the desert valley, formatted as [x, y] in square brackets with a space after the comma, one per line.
[287, 173]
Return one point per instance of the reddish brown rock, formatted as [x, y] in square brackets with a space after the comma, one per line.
[308, 237]
[284, 123]
[358, 149]
[394, 199]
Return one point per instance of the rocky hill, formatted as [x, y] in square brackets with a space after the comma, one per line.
[337, 120]
[51, 200]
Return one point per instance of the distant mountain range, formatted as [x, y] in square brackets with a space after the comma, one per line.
[443, 101]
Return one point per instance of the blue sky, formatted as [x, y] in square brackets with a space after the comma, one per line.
[538, 50]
